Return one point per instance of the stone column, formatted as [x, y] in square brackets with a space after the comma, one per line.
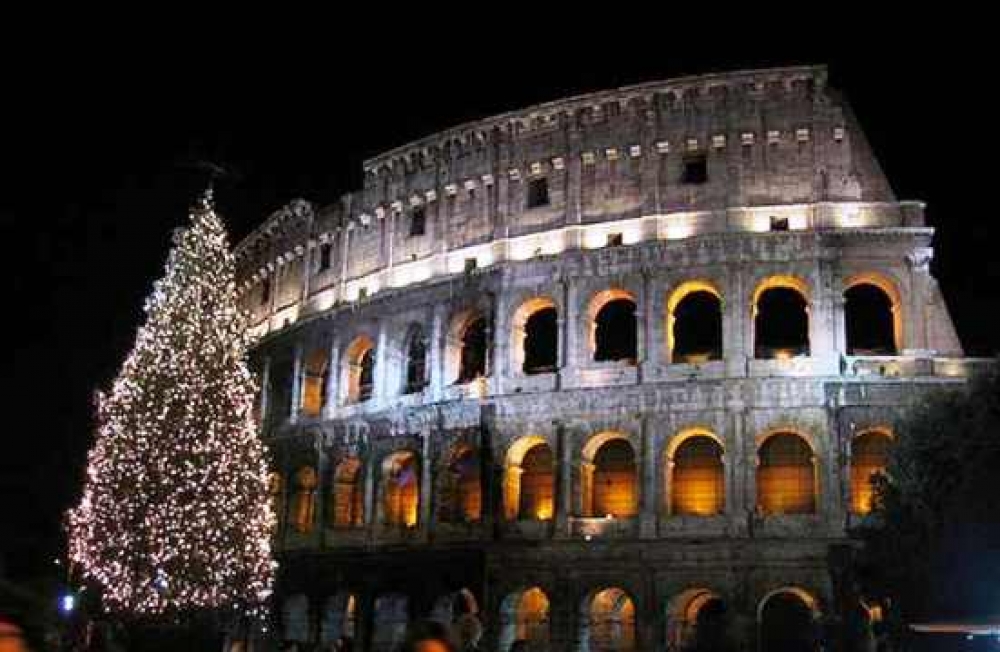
[381, 379]
[332, 380]
[371, 470]
[296, 405]
[265, 390]
[648, 351]
[425, 520]
[564, 480]
[649, 496]
[436, 353]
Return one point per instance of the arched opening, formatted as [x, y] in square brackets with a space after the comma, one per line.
[304, 506]
[315, 374]
[360, 370]
[347, 508]
[698, 478]
[694, 329]
[872, 320]
[401, 488]
[612, 481]
[416, 361]
[340, 617]
[786, 476]
[529, 481]
[472, 361]
[781, 319]
[295, 618]
[276, 494]
[869, 457]
[697, 620]
[462, 496]
[609, 622]
[525, 621]
[450, 608]
[390, 622]
[787, 623]
[541, 342]
[614, 329]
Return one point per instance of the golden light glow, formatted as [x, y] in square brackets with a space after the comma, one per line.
[786, 475]
[697, 476]
[869, 456]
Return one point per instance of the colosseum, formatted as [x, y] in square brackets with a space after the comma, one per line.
[607, 373]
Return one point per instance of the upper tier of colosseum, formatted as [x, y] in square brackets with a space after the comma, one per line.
[747, 151]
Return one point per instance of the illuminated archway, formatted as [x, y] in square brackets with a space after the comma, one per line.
[609, 478]
[529, 480]
[359, 371]
[613, 326]
[415, 374]
[786, 475]
[524, 616]
[461, 487]
[696, 474]
[873, 315]
[339, 619]
[315, 375]
[535, 336]
[780, 311]
[276, 494]
[391, 619]
[347, 506]
[467, 347]
[694, 323]
[697, 620]
[608, 622]
[304, 505]
[401, 488]
[869, 456]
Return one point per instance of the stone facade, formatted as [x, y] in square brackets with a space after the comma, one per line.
[402, 484]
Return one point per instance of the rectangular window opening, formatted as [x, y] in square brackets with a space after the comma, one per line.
[418, 221]
[324, 256]
[779, 223]
[538, 192]
[615, 240]
[695, 169]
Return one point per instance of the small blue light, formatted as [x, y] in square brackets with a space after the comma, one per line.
[67, 603]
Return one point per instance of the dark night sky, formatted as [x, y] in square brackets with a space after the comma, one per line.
[96, 147]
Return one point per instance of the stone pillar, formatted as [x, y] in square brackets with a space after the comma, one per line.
[425, 520]
[648, 346]
[265, 390]
[564, 481]
[436, 353]
[573, 323]
[649, 496]
[381, 376]
[371, 471]
[296, 405]
[332, 380]
[737, 323]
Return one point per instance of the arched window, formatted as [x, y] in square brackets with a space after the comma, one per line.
[347, 508]
[697, 620]
[529, 481]
[525, 617]
[694, 323]
[472, 362]
[869, 457]
[781, 319]
[612, 483]
[462, 498]
[276, 493]
[541, 341]
[416, 361]
[360, 369]
[786, 476]
[871, 318]
[304, 507]
[787, 622]
[390, 622]
[401, 488]
[315, 374]
[698, 478]
[340, 615]
[609, 622]
[615, 331]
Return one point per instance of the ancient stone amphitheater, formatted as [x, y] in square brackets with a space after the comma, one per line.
[606, 373]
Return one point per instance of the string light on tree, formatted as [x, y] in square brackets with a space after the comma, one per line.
[174, 516]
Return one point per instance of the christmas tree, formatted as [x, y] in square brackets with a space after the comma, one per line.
[174, 517]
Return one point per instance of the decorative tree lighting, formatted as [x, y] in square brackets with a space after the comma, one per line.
[175, 516]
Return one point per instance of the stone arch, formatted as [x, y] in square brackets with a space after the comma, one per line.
[391, 618]
[687, 625]
[780, 315]
[535, 336]
[529, 480]
[415, 376]
[891, 341]
[448, 608]
[696, 473]
[524, 616]
[400, 484]
[315, 380]
[787, 620]
[787, 474]
[339, 618]
[461, 486]
[359, 370]
[466, 354]
[304, 500]
[694, 335]
[347, 499]
[276, 494]
[609, 476]
[608, 622]
[869, 456]
[613, 325]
